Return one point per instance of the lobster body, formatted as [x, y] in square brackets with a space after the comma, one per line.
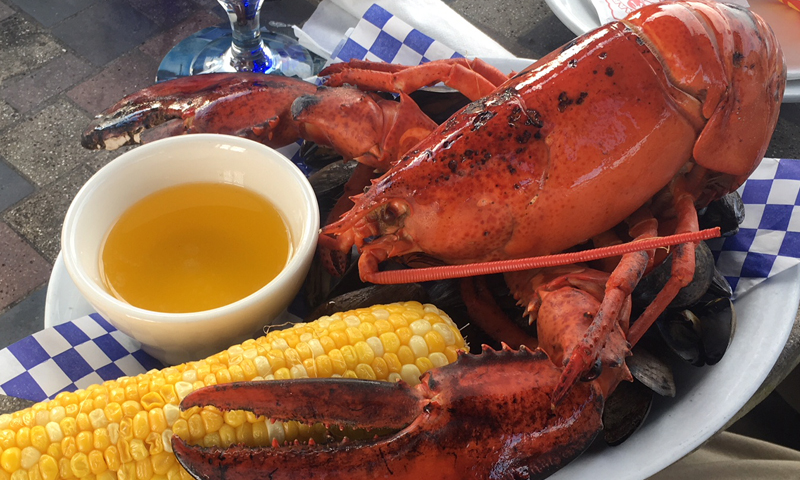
[580, 140]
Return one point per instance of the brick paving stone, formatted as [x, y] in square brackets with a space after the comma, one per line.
[24, 47]
[27, 91]
[7, 115]
[24, 318]
[105, 31]
[49, 12]
[39, 217]
[5, 11]
[161, 44]
[13, 187]
[21, 268]
[47, 145]
[165, 14]
[124, 75]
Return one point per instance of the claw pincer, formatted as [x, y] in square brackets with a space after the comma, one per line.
[484, 416]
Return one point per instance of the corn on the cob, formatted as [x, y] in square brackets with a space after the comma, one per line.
[122, 429]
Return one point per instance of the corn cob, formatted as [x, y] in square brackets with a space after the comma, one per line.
[122, 429]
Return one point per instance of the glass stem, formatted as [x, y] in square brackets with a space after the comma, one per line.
[249, 53]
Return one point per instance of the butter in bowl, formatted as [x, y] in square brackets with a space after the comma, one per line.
[191, 244]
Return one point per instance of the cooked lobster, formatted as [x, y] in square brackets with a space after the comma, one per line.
[620, 135]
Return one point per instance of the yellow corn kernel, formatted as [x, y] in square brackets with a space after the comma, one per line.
[350, 356]
[7, 437]
[54, 450]
[84, 441]
[64, 470]
[101, 439]
[48, 467]
[68, 447]
[97, 463]
[144, 469]
[130, 408]
[365, 372]
[152, 400]
[39, 438]
[162, 463]
[107, 475]
[424, 364]
[23, 438]
[157, 420]
[406, 355]
[196, 428]
[10, 459]
[111, 457]
[69, 427]
[380, 367]
[138, 450]
[410, 374]
[79, 464]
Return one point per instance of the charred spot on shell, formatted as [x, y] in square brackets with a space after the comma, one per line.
[481, 119]
[564, 101]
[737, 59]
[534, 118]
[609, 71]
[581, 97]
[303, 102]
[602, 55]
[524, 137]
[514, 116]
[572, 63]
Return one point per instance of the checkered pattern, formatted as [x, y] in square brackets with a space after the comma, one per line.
[380, 36]
[768, 241]
[69, 357]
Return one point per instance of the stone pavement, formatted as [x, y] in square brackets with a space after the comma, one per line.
[63, 61]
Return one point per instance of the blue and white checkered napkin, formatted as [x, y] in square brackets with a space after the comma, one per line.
[68, 357]
[768, 241]
[381, 36]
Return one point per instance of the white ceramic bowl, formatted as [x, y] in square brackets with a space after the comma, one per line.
[176, 338]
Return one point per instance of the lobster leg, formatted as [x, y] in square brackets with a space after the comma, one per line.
[473, 78]
[618, 289]
[486, 314]
[683, 265]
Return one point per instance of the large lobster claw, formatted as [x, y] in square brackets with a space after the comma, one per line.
[484, 416]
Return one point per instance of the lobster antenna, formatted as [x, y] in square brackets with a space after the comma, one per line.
[486, 268]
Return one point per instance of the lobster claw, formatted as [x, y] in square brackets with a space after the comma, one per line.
[484, 416]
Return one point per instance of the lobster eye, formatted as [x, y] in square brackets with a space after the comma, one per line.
[389, 215]
[392, 213]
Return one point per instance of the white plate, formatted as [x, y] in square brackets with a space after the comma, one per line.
[707, 397]
[580, 16]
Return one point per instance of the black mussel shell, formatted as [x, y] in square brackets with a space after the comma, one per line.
[700, 335]
[372, 295]
[625, 411]
[718, 324]
[652, 371]
[727, 213]
[654, 282]
[329, 180]
[317, 156]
